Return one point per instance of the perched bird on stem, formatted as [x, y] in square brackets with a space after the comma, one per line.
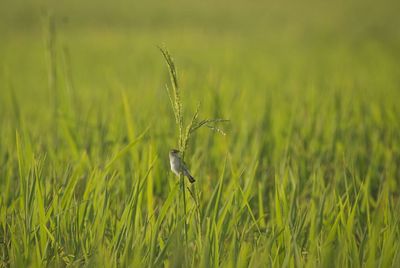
[178, 166]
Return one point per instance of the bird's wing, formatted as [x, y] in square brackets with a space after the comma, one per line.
[184, 165]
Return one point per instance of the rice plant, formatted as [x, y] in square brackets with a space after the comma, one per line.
[184, 135]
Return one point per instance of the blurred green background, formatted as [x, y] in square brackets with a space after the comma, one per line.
[237, 58]
[251, 44]
[242, 51]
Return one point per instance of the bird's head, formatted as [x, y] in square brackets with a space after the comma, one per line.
[174, 152]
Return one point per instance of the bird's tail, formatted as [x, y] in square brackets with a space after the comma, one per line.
[190, 177]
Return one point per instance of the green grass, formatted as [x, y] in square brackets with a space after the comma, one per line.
[308, 173]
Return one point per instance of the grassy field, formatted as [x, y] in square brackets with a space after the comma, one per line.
[308, 173]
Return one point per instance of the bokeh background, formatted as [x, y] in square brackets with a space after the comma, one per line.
[254, 46]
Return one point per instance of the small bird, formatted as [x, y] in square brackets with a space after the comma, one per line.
[178, 166]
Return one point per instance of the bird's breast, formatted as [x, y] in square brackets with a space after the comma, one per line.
[174, 163]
